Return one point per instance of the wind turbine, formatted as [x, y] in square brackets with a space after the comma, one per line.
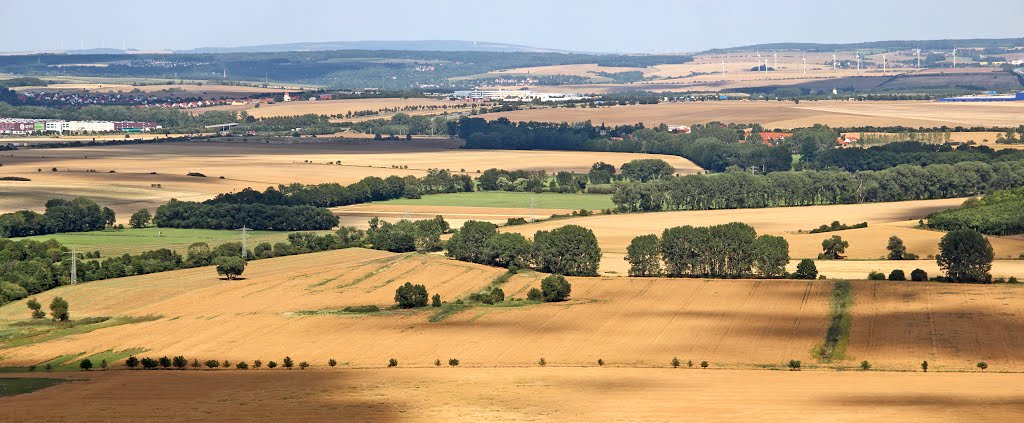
[858, 63]
[834, 60]
[804, 60]
[954, 56]
[776, 56]
[918, 59]
[765, 68]
[883, 64]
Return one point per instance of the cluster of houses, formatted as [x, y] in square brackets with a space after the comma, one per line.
[18, 126]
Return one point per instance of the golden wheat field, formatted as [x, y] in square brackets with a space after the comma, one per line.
[124, 174]
[290, 306]
[340, 107]
[523, 394]
[787, 115]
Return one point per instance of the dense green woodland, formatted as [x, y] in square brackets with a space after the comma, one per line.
[188, 215]
[77, 215]
[998, 213]
[738, 189]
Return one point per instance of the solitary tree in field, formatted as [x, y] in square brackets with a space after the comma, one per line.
[982, 365]
[59, 309]
[865, 365]
[555, 288]
[833, 248]
[230, 267]
[675, 362]
[794, 364]
[806, 269]
[924, 366]
[37, 312]
[332, 362]
[410, 296]
[85, 364]
[966, 256]
[288, 363]
[140, 219]
[896, 248]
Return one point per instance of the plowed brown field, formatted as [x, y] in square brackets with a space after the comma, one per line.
[523, 394]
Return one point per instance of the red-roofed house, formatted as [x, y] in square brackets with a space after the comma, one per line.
[847, 140]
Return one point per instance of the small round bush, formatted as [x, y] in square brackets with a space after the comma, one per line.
[876, 276]
[864, 365]
[897, 275]
[919, 275]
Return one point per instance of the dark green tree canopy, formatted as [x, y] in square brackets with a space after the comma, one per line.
[966, 256]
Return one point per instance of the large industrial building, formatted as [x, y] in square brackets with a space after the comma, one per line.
[987, 97]
[16, 126]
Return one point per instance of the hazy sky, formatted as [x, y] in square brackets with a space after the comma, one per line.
[595, 25]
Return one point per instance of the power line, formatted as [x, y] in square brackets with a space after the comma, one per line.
[245, 250]
[74, 265]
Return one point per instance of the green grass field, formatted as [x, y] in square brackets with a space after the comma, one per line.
[113, 242]
[17, 386]
[503, 199]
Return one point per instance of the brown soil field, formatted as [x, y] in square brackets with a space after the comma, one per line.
[614, 232]
[512, 394]
[776, 114]
[98, 138]
[251, 165]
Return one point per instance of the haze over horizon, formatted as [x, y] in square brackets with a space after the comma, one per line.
[596, 26]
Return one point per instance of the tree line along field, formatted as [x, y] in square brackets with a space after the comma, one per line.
[865, 253]
[292, 306]
[115, 242]
[785, 115]
[469, 395]
[254, 165]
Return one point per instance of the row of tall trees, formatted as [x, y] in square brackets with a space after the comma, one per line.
[568, 250]
[916, 153]
[732, 250]
[185, 214]
[76, 215]
[743, 190]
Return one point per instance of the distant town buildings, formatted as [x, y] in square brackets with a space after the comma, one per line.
[986, 98]
[17, 126]
[516, 95]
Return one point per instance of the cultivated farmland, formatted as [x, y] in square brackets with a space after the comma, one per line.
[125, 175]
[585, 394]
[614, 232]
[775, 114]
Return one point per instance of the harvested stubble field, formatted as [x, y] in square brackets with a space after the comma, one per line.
[267, 315]
[340, 107]
[252, 165]
[115, 242]
[867, 245]
[511, 394]
[776, 114]
[291, 306]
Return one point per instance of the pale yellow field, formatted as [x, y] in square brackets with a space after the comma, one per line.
[181, 90]
[253, 165]
[511, 395]
[614, 232]
[97, 138]
[336, 107]
[775, 114]
[358, 214]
